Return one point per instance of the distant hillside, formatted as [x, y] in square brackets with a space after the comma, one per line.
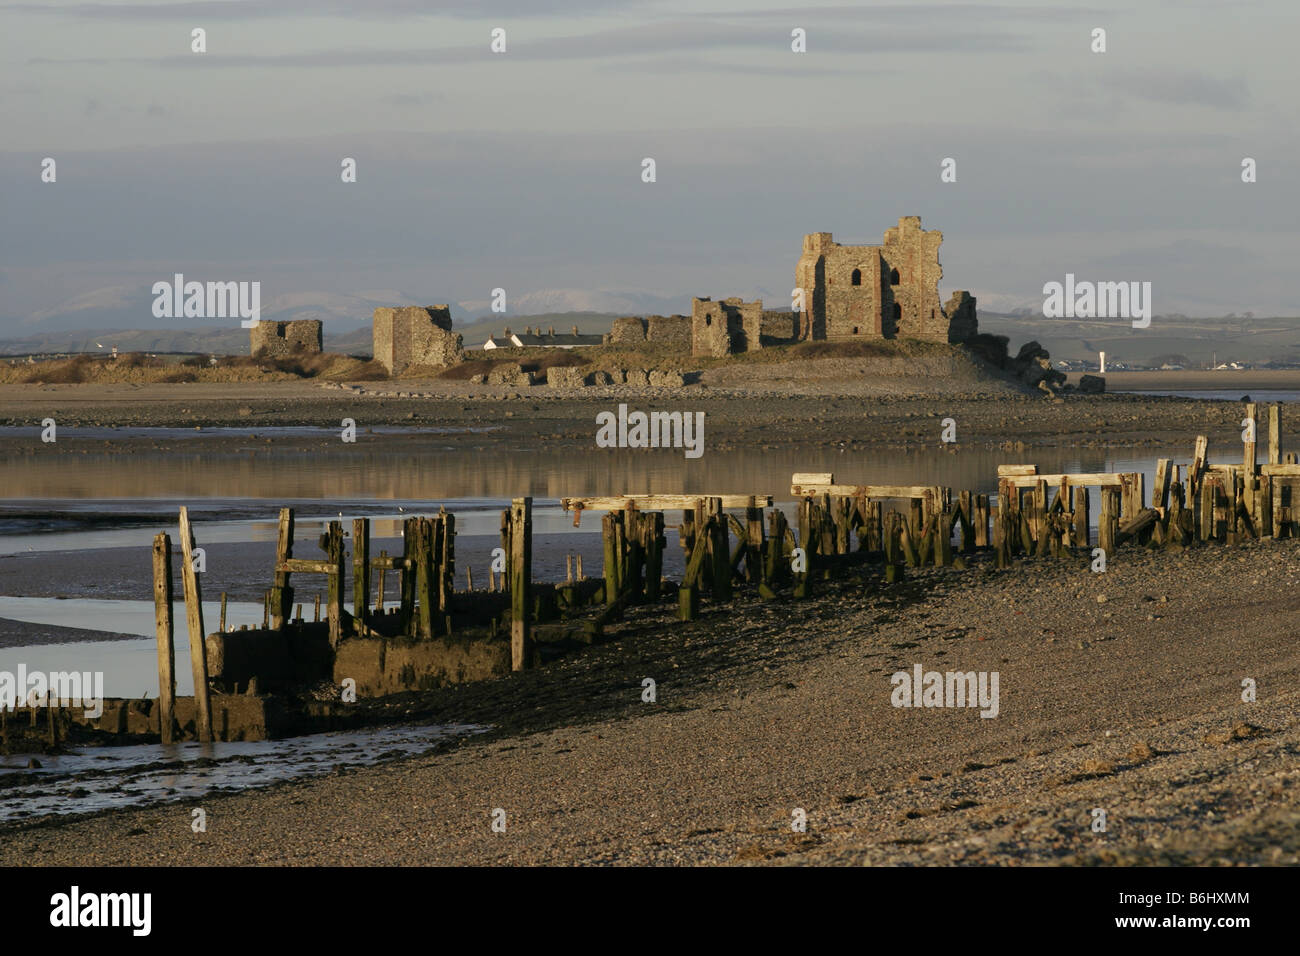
[227, 341]
[1175, 339]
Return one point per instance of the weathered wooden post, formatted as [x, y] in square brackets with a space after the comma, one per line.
[754, 540]
[406, 605]
[521, 598]
[426, 587]
[610, 526]
[652, 531]
[1274, 434]
[335, 586]
[688, 595]
[1108, 522]
[808, 544]
[281, 593]
[221, 625]
[1081, 516]
[634, 552]
[447, 561]
[162, 606]
[361, 570]
[194, 618]
[721, 549]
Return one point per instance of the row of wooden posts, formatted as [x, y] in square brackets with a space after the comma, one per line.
[1036, 514]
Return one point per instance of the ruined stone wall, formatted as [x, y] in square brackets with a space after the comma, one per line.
[280, 339]
[629, 330]
[779, 328]
[962, 322]
[669, 330]
[914, 254]
[721, 328]
[416, 335]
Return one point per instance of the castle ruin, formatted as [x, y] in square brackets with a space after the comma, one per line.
[722, 328]
[415, 335]
[269, 339]
[882, 292]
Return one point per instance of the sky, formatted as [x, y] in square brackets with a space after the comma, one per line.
[522, 170]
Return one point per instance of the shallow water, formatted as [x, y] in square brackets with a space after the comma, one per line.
[102, 778]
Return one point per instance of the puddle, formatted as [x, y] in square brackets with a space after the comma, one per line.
[105, 778]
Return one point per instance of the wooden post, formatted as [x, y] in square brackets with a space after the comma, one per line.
[688, 595]
[721, 547]
[1160, 494]
[609, 528]
[1207, 509]
[506, 547]
[652, 530]
[521, 582]
[982, 521]
[221, 625]
[1108, 523]
[281, 592]
[162, 605]
[361, 569]
[634, 553]
[406, 608]
[379, 588]
[754, 544]
[807, 541]
[1081, 516]
[1199, 455]
[335, 586]
[447, 561]
[194, 618]
[1249, 451]
[426, 587]
[1274, 434]
[1265, 501]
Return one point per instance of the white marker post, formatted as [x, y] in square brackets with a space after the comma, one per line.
[1103, 363]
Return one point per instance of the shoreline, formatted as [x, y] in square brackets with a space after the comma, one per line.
[762, 708]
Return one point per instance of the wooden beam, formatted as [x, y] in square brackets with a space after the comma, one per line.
[919, 492]
[658, 502]
[303, 566]
[1100, 479]
[194, 618]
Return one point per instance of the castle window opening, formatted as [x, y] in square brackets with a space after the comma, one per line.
[857, 277]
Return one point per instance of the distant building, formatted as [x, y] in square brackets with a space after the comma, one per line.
[537, 339]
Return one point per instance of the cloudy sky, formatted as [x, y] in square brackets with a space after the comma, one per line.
[522, 170]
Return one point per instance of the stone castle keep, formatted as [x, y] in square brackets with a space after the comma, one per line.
[882, 292]
[889, 291]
